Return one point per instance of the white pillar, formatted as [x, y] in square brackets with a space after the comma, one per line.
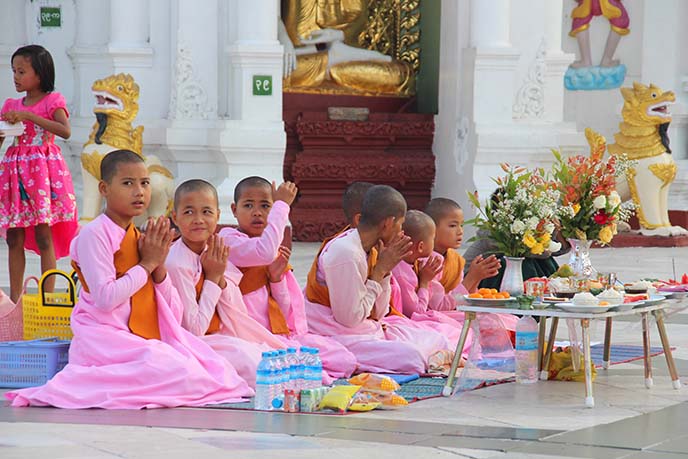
[556, 62]
[129, 45]
[88, 54]
[490, 20]
[12, 36]
[256, 51]
[194, 90]
[253, 139]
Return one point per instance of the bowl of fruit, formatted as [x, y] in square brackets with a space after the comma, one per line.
[490, 297]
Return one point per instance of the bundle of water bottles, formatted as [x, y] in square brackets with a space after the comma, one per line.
[284, 375]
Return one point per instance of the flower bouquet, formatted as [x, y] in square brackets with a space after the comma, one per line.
[519, 218]
[590, 206]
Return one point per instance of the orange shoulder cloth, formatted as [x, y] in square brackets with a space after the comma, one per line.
[143, 319]
[253, 279]
[452, 271]
[214, 325]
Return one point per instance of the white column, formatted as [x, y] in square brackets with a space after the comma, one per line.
[256, 51]
[88, 54]
[493, 59]
[556, 62]
[12, 36]
[129, 45]
[253, 138]
[194, 86]
[490, 23]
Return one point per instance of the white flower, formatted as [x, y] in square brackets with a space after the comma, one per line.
[554, 246]
[614, 199]
[533, 223]
[518, 227]
[599, 202]
[549, 227]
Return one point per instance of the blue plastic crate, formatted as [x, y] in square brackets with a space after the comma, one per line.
[31, 363]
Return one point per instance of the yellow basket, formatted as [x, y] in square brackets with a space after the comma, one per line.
[47, 315]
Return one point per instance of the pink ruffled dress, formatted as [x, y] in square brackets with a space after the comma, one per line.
[35, 183]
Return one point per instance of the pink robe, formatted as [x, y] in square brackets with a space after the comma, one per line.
[109, 366]
[343, 267]
[241, 340]
[415, 301]
[246, 251]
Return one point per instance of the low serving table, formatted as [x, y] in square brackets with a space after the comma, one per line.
[657, 310]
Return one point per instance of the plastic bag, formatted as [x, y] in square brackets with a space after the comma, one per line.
[374, 381]
[562, 368]
[338, 398]
[491, 360]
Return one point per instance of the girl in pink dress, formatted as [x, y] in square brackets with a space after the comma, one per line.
[37, 202]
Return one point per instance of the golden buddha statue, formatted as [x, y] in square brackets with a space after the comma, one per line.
[320, 55]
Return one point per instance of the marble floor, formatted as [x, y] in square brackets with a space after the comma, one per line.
[546, 420]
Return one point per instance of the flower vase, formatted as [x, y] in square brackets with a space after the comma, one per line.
[512, 281]
[580, 259]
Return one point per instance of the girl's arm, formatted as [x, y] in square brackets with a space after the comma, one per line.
[59, 126]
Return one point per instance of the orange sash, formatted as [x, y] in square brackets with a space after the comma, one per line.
[318, 293]
[214, 325]
[256, 277]
[143, 319]
[452, 270]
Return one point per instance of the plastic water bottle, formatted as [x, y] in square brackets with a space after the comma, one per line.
[526, 350]
[317, 367]
[304, 359]
[276, 388]
[293, 363]
[283, 370]
[264, 397]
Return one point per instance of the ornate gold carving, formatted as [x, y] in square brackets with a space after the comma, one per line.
[597, 142]
[392, 29]
[91, 163]
[665, 172]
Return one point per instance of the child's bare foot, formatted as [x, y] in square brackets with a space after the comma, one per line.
[581, 64]
[609, 62]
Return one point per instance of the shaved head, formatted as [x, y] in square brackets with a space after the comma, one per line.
[379, 203]
[194, 185]
[250, 182]
[109, 164]
[439, 208]
[352, 200]
[418, 225]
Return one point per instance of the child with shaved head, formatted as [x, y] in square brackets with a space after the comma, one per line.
[270, 291]
[448, 218]
[208, 284]
[348, 291]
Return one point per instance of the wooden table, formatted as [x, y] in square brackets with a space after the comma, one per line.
[657, 310]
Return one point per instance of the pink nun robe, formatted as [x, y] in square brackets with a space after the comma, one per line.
[423, 336]
[342, 267]
[241, 340]
[415, 300]
[490, 324]
[247, 251]
[109, 366]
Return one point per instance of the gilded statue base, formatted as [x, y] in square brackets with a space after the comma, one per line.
[323, 156]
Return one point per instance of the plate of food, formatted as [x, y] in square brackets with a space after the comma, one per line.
[585, 302]
[554, 300]
[626, 306]
[490, 302]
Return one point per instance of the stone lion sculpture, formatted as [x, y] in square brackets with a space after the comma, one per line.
[643, 137]
[115, 109]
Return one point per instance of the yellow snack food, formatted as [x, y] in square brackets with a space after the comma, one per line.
[377, 382]
[338, 398]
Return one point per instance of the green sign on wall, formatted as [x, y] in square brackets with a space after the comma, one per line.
[262, 85]
[51, 16]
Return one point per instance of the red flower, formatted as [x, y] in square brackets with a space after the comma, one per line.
[601, 218]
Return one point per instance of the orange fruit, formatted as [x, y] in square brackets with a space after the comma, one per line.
[493, 291]
[484, 291]
[506, 294]
[475, 295]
